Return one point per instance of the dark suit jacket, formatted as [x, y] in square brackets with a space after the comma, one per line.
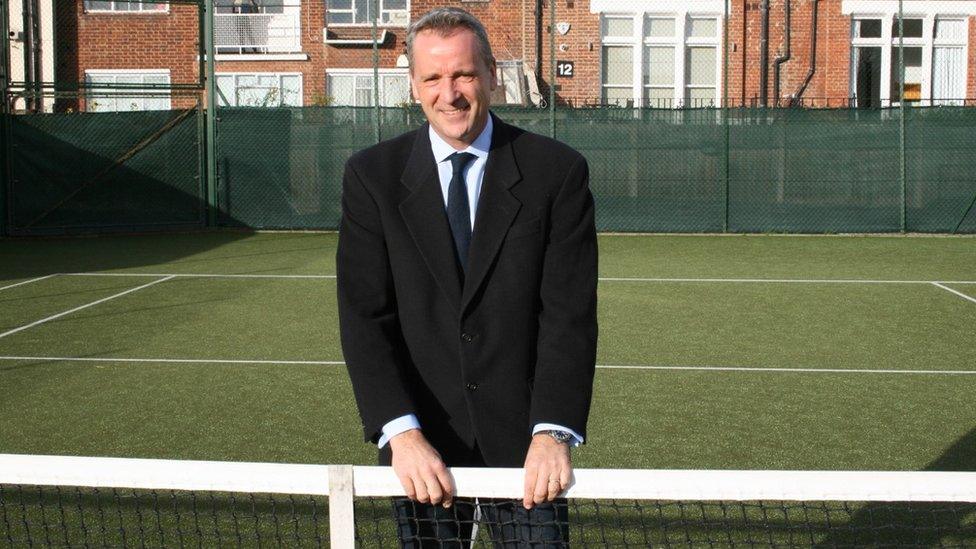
[479, 357]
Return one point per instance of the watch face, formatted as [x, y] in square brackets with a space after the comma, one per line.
[561, 436]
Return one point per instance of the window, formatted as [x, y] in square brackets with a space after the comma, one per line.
[113, 91]
[249, 6]
[355, 88]
[934, 51]
[124, 6]
[259, 90]
[660, 61]
[949, 61]
[257, 26]
[361, 12]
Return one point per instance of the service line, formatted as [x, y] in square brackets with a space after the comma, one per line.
[601, 279]
[751, 369]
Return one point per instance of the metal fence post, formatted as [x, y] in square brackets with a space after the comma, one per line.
[552, 69]
[4, 119]
[211, 87]
[724, 106]
[903, 214]
[377, 135]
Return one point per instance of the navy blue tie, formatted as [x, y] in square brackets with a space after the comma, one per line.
[458, 211]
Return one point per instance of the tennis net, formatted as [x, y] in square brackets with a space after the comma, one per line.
[59, 501]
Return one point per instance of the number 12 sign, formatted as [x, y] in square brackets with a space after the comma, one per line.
[564, 69]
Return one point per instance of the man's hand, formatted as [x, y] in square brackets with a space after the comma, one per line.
[420, 469]
[547, 470]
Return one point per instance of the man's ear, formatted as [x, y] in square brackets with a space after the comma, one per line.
[413, 84]
[494, 75]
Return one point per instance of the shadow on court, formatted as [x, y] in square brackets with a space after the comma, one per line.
[915, 524]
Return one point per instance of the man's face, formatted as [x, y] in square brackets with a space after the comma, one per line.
[453, 84]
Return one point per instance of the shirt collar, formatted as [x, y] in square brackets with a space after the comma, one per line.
[479, 148]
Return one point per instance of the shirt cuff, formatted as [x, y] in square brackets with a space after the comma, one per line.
[577, 440]
[397, 426]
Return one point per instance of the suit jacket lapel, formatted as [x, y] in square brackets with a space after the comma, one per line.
[423, 213]
[497, 208]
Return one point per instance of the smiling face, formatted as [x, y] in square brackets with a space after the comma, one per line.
[453, 84]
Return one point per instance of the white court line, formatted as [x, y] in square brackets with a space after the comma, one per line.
[599, 366]
[85, 306]
[28, 281]
[203, 275]
[602, 279]
[177, 360]
[791, 370]
[960, 294]
[781, 280]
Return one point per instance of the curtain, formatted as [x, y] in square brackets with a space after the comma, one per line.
[948, 83]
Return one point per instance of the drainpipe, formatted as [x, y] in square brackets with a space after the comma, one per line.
[796, 97]
[778, 62]
[538, 40]
[764, 55]
[31, 52]
[745, 48]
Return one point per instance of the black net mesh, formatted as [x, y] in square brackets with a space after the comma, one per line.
[51, 516]
[634, 523]
[66, 516]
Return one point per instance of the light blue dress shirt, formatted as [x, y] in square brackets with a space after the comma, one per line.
[474, 173]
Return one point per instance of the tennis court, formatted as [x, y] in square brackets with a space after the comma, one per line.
[716, 352]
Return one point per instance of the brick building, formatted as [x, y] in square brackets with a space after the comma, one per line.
[657, 53]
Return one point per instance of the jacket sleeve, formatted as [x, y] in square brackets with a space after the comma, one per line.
[372, 342]
[566, 347]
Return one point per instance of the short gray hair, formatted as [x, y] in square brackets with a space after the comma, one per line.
[446, 20]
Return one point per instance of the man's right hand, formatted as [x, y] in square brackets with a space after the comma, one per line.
[420, 469]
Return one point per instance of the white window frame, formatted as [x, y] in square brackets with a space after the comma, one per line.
[368, 72]
[116, 11]
[890, 41]
[127, 72]
[237, 74]
[637, 82]
[379, 21]
[681, 15]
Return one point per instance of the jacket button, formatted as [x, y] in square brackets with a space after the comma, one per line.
[466, 337]
[472, 386]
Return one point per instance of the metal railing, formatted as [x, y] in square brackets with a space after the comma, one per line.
[257, 32]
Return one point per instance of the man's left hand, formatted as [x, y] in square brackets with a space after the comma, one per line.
[548, 470]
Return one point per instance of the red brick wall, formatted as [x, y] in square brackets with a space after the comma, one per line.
[971, 61]
[830, 80]
[127, 41]
[581, 45]
[99, 40]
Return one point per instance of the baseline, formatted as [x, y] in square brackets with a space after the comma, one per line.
[598, 366]
[85, 306]
[958, 293]
[23, 282]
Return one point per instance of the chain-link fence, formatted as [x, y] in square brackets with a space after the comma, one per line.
[769, 116]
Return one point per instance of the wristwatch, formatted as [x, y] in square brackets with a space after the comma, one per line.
[560, 436]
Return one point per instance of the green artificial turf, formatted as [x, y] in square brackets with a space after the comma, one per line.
[670, 418]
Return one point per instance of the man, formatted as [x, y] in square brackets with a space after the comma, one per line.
[468, 347]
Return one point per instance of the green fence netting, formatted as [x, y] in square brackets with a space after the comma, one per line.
[940, 170]
[652, 170]
[73, 172]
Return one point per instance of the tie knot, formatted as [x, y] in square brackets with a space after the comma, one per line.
[459, 160]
